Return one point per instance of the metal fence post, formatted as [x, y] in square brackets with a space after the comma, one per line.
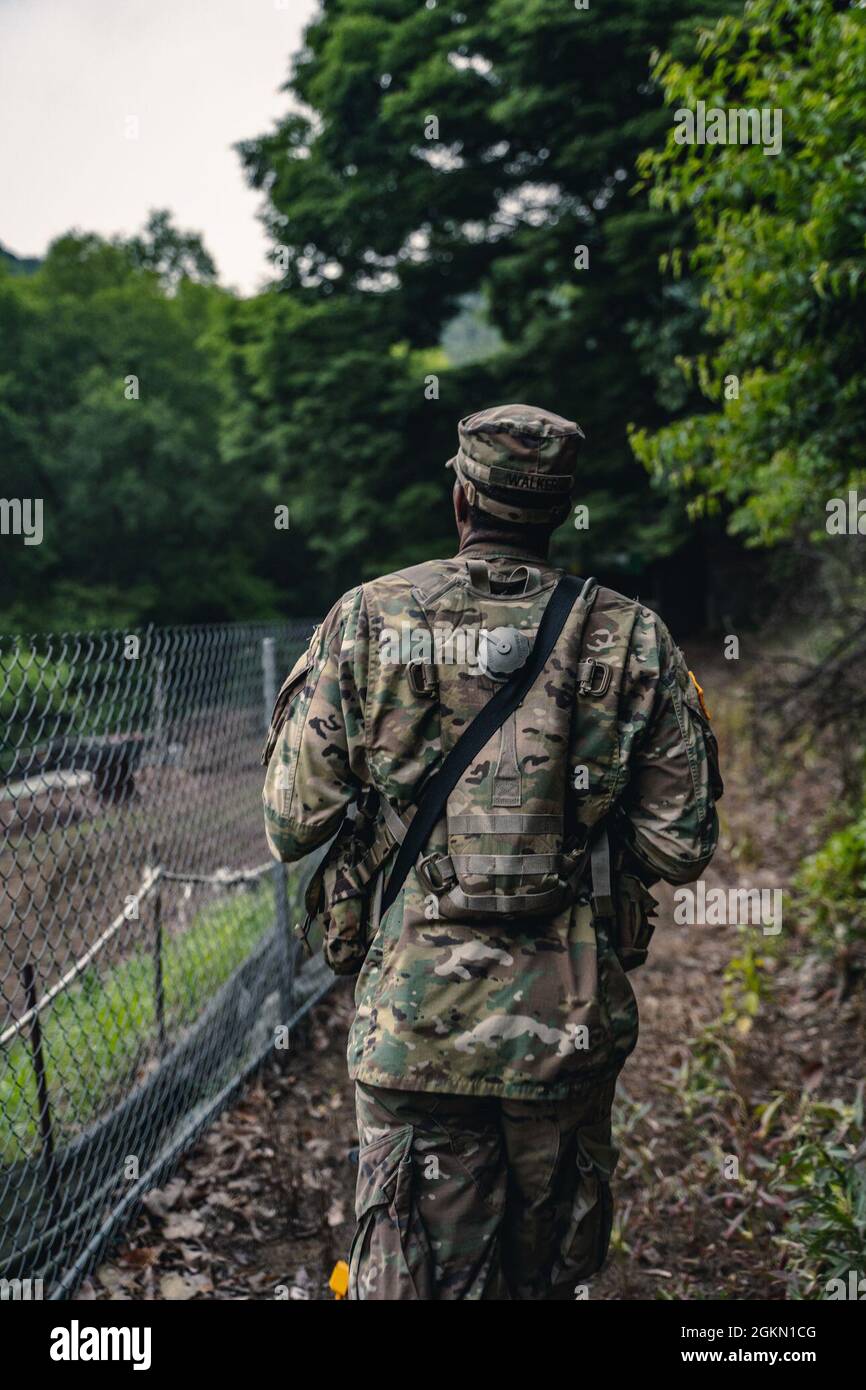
[158, 980]
[158, 719]
[46, 1133]
[284, 930]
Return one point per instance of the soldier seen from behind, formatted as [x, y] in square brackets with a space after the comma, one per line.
[494, 1011]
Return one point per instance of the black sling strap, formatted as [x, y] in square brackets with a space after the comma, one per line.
[474, 737]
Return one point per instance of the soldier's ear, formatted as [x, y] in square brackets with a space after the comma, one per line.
[461, 506]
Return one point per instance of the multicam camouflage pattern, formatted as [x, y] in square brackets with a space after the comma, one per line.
[467, 1198]
[517, 462]
[526, 1008]
[506, 817]
[337, 894]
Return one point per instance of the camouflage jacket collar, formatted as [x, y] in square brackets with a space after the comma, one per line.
[488, 550]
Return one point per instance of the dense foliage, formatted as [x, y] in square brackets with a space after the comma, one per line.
[437, 153]
[781, 255]
[109, 414]
[426, 197]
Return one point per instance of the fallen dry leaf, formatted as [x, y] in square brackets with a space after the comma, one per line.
[183, 1227]
[176, 1287]
[336, 1213]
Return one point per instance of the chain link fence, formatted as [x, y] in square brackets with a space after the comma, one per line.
[147, 965]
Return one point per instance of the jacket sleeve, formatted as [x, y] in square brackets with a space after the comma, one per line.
[316, 757]
[669, 819]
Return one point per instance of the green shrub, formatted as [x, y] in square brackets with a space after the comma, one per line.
[830, 891]
[822, 1179]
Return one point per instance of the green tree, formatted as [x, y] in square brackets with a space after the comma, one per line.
[328, 419]
[781, 252]
[110, 414]
[439, 153]
[173, 254]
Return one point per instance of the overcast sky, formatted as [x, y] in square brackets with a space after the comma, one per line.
[197, 75]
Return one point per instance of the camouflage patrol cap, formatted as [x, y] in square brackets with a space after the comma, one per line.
[517, 462]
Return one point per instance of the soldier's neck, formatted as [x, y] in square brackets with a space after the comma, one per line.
[498, 543]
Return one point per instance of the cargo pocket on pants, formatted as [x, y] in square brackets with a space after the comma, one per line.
[390, 1258]
[586, 1237]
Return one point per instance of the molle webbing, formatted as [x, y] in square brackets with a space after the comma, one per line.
[433, 800]
[507, 904]
[505, 863]
[484, 823]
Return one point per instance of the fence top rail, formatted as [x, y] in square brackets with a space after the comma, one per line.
[154, 633]
[223, 877]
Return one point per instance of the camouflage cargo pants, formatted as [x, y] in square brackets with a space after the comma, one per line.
[463, 1197]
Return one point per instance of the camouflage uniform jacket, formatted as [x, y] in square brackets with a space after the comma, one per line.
[492, 1008]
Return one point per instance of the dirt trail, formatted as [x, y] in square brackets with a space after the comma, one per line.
[262, 1207]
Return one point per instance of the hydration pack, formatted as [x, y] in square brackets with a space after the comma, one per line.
[507, 673]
